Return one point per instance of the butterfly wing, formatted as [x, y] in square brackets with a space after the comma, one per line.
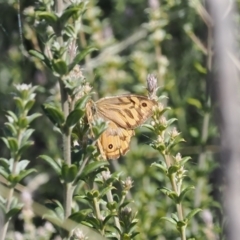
[127, 111]
[114, 141]
[123, 114]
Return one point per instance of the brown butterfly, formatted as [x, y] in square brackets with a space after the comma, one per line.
[123, 114]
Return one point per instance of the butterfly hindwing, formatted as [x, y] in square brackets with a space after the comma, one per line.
[114, 141]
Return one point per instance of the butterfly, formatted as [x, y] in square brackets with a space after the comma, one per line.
[123, 114]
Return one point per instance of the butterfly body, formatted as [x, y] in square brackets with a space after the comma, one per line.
[123, 114]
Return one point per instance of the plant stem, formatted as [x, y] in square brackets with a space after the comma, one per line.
[66, 149]
[98, 213]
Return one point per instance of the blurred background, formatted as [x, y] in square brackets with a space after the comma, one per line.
[171, 39]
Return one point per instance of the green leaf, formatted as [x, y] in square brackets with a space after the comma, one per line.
[194, 102]
[125, 203]
[26, 135]
[51, 217]
[30, 118]
[49, 17]
[91, 167]
[170, 121]
[24, 147]
[168, 219]
[173, 169]
[183, 193]
[173, 195]
[107, 218]
[13, 145]
[21, 165]
[5, 172]
[69, 12]
[60, 67]
[106, 190]
[19, 102]
[149, 126]
[181, 224]
[69, 172]
[41, 57]
[23, 122]
[81, 103]
[54, 114]
[74, 117]
[200, 68]
[161, 166]
[21, 175]
[11, 128]
[37, 54]
[12, 212]
[29, 105]
[70, 31]
[12, 115]
[52, 163]
[193, 213]
[78, 217]
[80, 56]
[184, 160]
[4, 163]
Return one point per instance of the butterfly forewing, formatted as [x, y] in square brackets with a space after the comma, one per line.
[127, 111]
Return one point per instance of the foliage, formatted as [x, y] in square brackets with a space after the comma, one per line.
[117, 44]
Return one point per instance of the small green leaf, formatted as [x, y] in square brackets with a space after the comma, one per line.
[184, 160]
[13, 116]
[12, 212]
[169, 220]
[106, 190]
[51, 217]
[21, 165]
[6, 142]
[183, 192]
[60, 67]
[23, 122]
[21, 175]
[70, 31]
[69, 12]
[11, 128]
[78, 217]
[80, 56]
[4, 172]
[81, 103]
[72, 172]
[181, 224]
[52, 163]
[161, 166]
[194, 102]
[173, 169]
[91, 167]
[193, 213]
[49, 17]
[54, 114]
[13, 145]
[30, 118]
[26, 135]
[4, 163]
[29, 105]
[24, 147]
[19, 102]
[69, 172]
[37, 54]
[74, 117]
[170, 121]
